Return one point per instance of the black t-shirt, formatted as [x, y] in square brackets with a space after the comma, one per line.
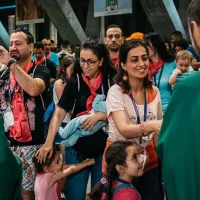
[88, 146]
[51, 67]
[35, 106]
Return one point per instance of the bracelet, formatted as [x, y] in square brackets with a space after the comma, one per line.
[12, 60]
[142, 130]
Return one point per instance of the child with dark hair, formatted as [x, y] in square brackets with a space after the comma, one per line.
[50, 172]
[123, 164]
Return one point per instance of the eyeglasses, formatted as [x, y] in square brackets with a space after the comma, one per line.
[90, 62]
[23, 29]
[117, 36]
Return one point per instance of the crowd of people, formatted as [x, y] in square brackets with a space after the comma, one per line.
[106, 112]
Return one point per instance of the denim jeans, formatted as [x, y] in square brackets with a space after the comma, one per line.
[76, 185]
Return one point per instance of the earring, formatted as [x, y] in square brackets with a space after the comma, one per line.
[125, 76]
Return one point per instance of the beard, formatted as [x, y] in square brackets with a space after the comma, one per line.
[114, 47]
[194, 41]
[15, 54]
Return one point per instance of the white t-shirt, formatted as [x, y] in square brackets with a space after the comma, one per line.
[118, 101]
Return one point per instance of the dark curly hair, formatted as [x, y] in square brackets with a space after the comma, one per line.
[39, 168]
[126, 47]
[116, 154]
[100, 50]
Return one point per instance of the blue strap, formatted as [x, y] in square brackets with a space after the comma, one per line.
[122, 186]
[136, 109]
[155, 82]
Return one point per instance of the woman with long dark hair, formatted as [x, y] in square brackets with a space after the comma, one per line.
[64, 73]
[162, 65]
[134, 113]
[95, 76]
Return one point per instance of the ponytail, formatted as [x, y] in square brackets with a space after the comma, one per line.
[109, 187]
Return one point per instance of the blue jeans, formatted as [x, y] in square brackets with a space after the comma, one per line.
[76, 185]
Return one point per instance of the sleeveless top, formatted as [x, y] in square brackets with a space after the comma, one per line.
[55, 99]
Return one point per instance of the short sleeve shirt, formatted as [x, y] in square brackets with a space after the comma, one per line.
[54, 59]
[96, 141]
[35, 106]
[164, 87]
[118, 101]
[52, 68]
[127, 194]
[71, 93]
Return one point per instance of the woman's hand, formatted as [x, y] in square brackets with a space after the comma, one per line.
[92, 120]
[155, 125]
[44, 151]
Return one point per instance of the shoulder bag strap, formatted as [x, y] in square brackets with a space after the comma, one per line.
[32, 75]
[122, 186]
[78, 79]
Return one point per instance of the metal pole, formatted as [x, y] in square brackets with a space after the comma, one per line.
[11, 23]
[102, 33]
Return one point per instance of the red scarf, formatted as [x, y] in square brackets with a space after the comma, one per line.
[93, 88]
[20, 131]
[115, 62]
[49, 55]
[39, 62]
[156, 66]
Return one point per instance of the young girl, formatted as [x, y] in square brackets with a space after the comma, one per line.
[50, 172]
[123, 164]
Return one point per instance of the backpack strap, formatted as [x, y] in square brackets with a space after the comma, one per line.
[122, 186]
[78, 79]
[32, 75]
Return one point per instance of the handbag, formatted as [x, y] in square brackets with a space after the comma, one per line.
[49, 112]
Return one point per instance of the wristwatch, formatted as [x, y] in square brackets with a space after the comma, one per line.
[12, 60]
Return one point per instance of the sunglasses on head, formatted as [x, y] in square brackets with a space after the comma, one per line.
[23, 29]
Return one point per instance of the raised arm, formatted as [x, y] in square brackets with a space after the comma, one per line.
[32, 86]
[70, 169]
[172, 79]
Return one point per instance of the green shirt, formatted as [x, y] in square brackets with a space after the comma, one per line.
[179, 141]
[10, 170]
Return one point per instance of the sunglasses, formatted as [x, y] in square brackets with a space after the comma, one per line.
[23, 29]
